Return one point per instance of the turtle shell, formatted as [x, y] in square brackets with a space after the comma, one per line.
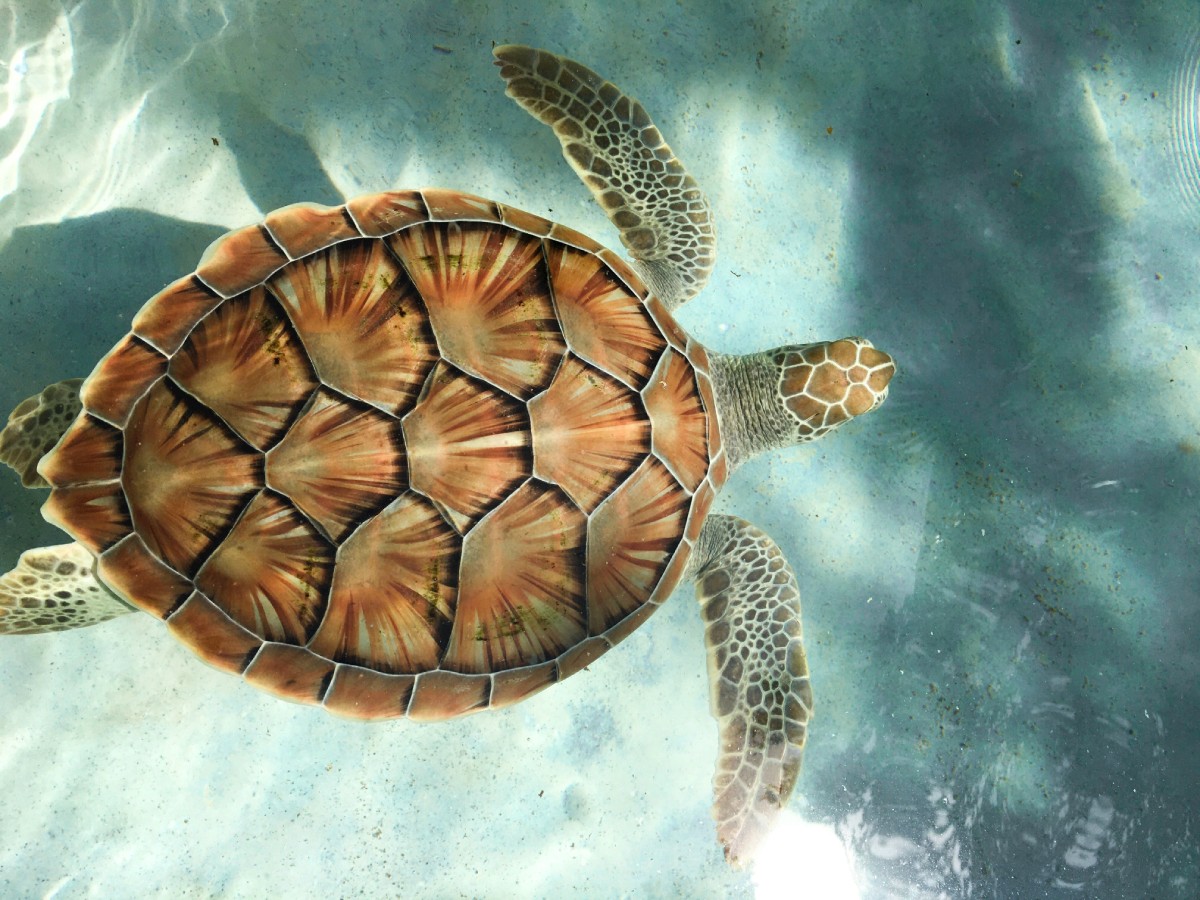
[421, 454]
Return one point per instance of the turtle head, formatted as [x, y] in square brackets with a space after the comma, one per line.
[825, 384]
[791, 395]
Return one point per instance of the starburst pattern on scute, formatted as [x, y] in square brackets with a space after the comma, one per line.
[443, 463]
[94, 514]
[468, 445]
[630, 541]
[271, 573]
[362, 322]
[521, 598]
[121, 379]
[394, 591]
[186, 475]
[488, 297]
[589, 432]
[604, 322]
[244, 362]
[339, 463]
[679, 420]
[89, 451]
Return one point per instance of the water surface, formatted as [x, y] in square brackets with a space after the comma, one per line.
[1000, 567]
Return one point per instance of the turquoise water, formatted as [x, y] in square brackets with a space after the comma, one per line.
[1000, 567]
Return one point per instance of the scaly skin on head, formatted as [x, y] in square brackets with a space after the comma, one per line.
[791, 395]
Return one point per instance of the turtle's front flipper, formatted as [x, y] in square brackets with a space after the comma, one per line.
[608, 139]
[54, 589]
[758, 678]
[35, 426]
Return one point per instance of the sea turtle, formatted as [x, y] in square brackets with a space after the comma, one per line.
[424, 454]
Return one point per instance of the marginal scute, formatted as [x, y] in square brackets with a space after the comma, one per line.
[516, 685]
[666, 323]
[572, 238]
[291, 673]
[96, 515]
[716, 443]
[444, 695]
[243, 361]
[701, 503]
[340, 463]
[455, 205]
[304, 228]
[212, 635]
[167, 317]
[629, 624]
[134, 573]
[89, 451]
[362, 322]
[697, 355]
[381, 214]
[239, 260]
[271, 573]
[488, 296]
[718, 472]
[582, 655]
[672, 574]
[525, 221]
[623, 271]
[521, 595]
[120, 379]
[358, 693]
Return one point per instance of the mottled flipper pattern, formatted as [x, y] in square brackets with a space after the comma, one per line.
[758, 678]
[607, 137]
[35, 426]
[54, 589]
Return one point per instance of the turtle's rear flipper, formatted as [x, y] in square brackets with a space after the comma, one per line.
[35, 426]
[758, 678]
[54, 589]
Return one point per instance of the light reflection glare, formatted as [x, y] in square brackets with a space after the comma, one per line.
[803, 859]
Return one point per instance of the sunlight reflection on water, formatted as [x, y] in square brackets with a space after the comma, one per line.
[805, 856]
[36, 77]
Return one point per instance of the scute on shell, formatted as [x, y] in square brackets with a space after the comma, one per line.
[418, 455]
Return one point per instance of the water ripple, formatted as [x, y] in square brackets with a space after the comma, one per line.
[1185, 124]
[35, 77]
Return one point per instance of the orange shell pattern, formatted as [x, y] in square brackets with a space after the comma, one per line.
[421, 454]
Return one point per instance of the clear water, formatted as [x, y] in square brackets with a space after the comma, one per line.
[1000, 567]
